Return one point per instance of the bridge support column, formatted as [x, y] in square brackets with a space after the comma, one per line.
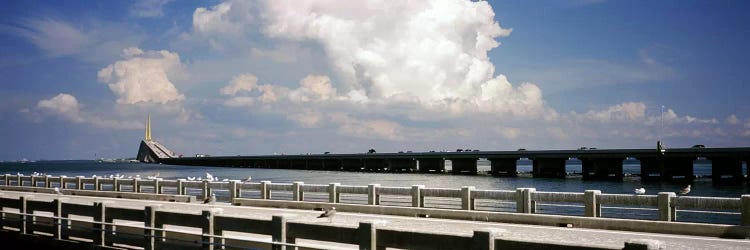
[726, 166]
[427, 165]
[332, 164]
[549, 167]
[351, 164]
[464, 165]
[666, 167]
[298, 164]
[375, 165]
[602, 168]
[315, 164]
[402, 165]
[503, 167]
[651, 168]
[682, 166]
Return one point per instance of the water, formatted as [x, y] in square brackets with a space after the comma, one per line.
[700, 186]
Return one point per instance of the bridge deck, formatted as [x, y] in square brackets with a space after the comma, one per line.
[578, 236]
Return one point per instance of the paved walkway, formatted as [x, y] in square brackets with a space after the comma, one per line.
[589, 237]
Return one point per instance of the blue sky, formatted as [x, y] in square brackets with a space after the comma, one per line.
[264, 77]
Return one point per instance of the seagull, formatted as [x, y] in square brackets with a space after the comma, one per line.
[209, 177]
[190, 178]
[210, 199]
[248, 179]
[685, 190]
[57, 191]
[328, 213]
[640, 190]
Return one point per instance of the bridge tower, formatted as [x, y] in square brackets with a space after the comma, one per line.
[150, 150]
[147, 137]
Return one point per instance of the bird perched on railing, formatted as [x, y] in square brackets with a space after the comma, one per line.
[249, 178]
[57, 191]
[639, 191]
[210, 199]
[328, 213]
[685, 190]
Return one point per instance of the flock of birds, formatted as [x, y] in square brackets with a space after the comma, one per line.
[642, 190]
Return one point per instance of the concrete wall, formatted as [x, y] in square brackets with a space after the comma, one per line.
[526, 199]
[150, 231]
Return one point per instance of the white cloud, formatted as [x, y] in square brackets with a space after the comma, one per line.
[430, 53]
[144, 76]
[313, 88]
[55, 37]
[218, 19]
[64, 105]
[148, 8]
[68, 107]
[629, 111]
[243, 82]
[94, 41]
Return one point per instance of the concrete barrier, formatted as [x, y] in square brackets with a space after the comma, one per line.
[108, 194]
[682, 228]
[100, 231]
[526, 199]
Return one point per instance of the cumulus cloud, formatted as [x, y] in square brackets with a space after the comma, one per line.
[629, 111]
[313, 88]
[143, 76]
[64, 105]
[243, 82]
[430, 53]
[148, 8]
[68, 107]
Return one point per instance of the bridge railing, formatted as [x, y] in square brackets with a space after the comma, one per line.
[104, 224]
[590, 203]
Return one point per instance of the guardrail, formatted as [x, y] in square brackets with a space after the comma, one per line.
[146, 227]
[521, 200]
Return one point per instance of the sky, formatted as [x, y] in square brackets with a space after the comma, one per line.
[79, 78]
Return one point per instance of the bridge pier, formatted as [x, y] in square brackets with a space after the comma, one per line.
[506, 167]
[298, 164]
[375, 165]
[315, 164]
[435, 165]
[464, 165]
[667, 168]
[402, 164]
[332, 164]
[549, 167]
[351, 164]
[723, 166]
[602, 168]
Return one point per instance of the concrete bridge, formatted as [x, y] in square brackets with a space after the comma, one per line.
[599, 164]
[157, 215]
